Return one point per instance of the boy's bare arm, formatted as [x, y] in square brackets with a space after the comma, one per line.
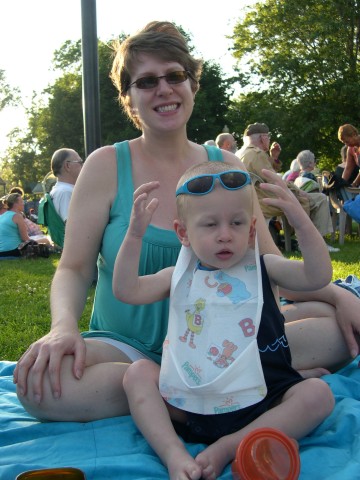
[127, 285]
[315, 271]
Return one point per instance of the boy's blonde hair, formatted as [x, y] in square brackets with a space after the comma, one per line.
[200, 169]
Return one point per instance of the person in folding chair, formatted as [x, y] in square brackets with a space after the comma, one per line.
[66, 165]
[48, 216]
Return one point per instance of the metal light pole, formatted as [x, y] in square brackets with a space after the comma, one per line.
[90, 77]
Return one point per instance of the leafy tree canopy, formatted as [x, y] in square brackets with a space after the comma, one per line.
[55, 118]
[9, 96]
[298, 67]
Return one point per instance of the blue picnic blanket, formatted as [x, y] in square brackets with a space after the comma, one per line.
[114, 449]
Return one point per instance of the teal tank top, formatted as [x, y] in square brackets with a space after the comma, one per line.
[141, 326]
[9, 232]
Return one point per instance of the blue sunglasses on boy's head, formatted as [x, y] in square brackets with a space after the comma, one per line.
[203, 184]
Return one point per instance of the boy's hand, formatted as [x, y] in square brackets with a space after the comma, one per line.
[142, 211]
[284, 199]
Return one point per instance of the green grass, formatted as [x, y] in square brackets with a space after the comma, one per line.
[24, 303]
[345, 262]
[25, 289]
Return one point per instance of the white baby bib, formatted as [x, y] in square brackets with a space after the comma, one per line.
[211, 362]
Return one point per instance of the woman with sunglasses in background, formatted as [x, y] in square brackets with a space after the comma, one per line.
[74, 377]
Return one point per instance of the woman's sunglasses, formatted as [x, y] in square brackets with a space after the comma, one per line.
[203, 184]
[172, 78]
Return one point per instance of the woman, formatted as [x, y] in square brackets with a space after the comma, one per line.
[67, 376]
[13, 230]
[35, 233]
[3, 207]
[349, 135]
[33, 230]
[294, 171]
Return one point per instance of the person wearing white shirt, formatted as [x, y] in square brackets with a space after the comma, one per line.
[66, 165]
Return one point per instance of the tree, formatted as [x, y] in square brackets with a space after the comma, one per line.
[211, 105]
[9, 96]
[212, 99]
[298, 63]
[21, 166]
[207, 120]
[55, 118]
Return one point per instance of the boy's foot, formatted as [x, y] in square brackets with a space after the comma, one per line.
[181, 465]
[214, 459]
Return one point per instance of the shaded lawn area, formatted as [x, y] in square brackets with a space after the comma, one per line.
[25, 303]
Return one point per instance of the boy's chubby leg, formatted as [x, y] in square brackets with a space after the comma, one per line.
[152, 416]
[302, 408]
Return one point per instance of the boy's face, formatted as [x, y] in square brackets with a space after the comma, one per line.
[219, 226]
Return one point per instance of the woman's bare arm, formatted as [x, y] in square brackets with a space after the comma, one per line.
[20, 222]
[88, 215]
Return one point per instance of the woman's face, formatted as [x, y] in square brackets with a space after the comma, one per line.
[352, 141]
[165, 107]
[19, 204]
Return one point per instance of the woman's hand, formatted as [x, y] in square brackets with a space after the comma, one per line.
[347, 306]
[45, 357]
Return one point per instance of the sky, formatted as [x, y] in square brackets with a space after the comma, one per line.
[32, 30]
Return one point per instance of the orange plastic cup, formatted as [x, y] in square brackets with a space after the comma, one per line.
[266, 454]
[66, 473]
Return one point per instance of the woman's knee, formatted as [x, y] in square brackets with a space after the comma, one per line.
[98, 394]
[48, 406]
[44, 410]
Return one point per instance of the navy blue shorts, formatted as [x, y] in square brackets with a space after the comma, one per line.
[209, 428]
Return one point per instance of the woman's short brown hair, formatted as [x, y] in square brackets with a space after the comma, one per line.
[159, 39]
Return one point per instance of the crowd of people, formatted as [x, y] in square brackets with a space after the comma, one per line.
[303, 177]
[132, 207]
[254, 154]
[18, 230]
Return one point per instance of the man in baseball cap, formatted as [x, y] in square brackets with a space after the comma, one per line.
[254, 128]
[254, 155]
